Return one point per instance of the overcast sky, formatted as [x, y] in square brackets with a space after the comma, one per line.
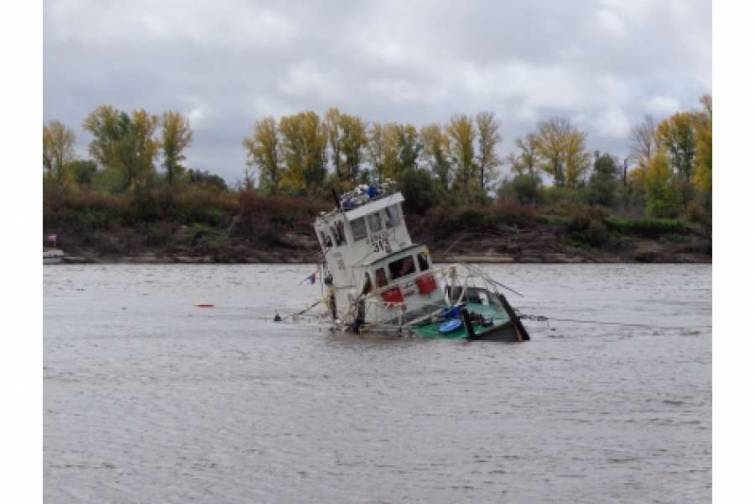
[602, 63]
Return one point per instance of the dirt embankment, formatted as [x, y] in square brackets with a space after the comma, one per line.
[540, 244]
[223, 227]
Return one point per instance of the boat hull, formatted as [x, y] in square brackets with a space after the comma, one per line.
[506, 333]
[481, 322]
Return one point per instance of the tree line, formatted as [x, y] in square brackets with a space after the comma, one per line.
[671, 161]
[303, 154]
[667, 174]
[124, 150]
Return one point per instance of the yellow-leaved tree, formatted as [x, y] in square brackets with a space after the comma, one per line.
[488, 138]
[124, 143]
[176, 136]
[303, 146]
[663, 197]
[263, 152]
[561, 149]
[702, 175]
[677, 135]
[435, 152]
[462, 135]
[57, 150]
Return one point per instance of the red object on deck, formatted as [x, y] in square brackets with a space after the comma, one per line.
[426, 284]
[393, 295]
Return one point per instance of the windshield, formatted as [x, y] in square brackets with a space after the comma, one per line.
[402, 267]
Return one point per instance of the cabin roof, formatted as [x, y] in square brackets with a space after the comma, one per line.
[374, 205]
[394, 255]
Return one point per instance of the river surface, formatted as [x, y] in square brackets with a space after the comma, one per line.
[149, 399]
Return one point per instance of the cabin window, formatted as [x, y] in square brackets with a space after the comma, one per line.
[359, 229]
[374, 221]
[338, 233]
[382, 281]
[422, 260]
[402, 267]
[391, 217]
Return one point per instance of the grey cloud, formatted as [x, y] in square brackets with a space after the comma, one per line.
[603, 63]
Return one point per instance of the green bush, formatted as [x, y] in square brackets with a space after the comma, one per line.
[264, 219]
[158, 235]
[522, 216]
[594, 234]
[553, 220]
[109, 181]
[419, 190]
[82, 210]
[647, 228]
[207, 179]
[556, 195]
[83, 171]
[602, 186]
[523, 190]
[208, 208]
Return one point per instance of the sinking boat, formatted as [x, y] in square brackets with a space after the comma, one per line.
[375, 279]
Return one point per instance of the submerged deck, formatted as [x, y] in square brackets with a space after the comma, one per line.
[490, 312]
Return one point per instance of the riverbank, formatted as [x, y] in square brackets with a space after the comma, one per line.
[207, 227]
[541, 245]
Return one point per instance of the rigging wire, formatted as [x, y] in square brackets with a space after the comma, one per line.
[543, 318]
[477, 270]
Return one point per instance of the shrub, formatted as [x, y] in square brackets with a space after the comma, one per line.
[593, 234]
[648, 228]
[82, 210]
[419, 190]
[197, 204]
[158, 235]
[109, 180]
[602, 185]
[523, 189]
[514, 215]
[83, 171]
[585, 225]
[265, 218]
[206, 179]
[556, 195]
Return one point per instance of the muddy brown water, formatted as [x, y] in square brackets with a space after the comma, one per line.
[148, 398]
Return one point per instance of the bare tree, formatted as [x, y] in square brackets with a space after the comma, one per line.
[643, 142]
[528, 159]
[487, 141]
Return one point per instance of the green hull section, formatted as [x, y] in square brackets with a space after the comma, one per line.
[496, 314]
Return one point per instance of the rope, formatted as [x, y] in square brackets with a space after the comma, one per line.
[485, 276]
[292, 315]
[543, 318]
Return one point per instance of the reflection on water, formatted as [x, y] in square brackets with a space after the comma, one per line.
[150, 399]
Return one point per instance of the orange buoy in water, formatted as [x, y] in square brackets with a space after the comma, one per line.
[204, 305]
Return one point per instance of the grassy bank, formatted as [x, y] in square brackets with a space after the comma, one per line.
[201, 224]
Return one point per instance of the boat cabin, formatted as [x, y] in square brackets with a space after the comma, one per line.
[367, 248]
[349, 238]
[374, 228]
[403, 274]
